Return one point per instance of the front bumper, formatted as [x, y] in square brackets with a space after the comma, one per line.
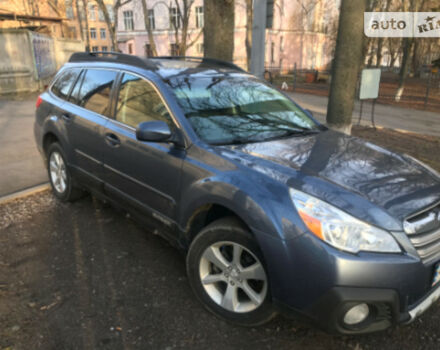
[315, 280]
[424, 304]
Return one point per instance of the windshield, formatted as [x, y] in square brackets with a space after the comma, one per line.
[225, 109]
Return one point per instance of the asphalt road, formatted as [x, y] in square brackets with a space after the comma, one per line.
[20, 163]
[392, 117]
[84, 276]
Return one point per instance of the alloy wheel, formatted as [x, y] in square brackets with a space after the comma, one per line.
[233, 277]
[58, 173]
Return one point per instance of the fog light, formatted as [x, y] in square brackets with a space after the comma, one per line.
[357, 314]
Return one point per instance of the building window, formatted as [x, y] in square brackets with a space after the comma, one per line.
[199, 17]
[110, 12]
[92, 33]
[148, 50]
[92, 13]
[104, 48]
[151, 21]
[130, 48]
[174, 50]
[102, 33]
[175, 21]
[95, 48]
[199, 48]
[128, 20]
[72, 32]
[101, 15]
[69, 9]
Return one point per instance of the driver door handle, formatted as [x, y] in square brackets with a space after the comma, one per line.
[112, 140]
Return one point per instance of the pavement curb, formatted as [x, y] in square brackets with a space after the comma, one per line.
[24, 193]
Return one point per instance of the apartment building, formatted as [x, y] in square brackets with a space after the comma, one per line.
[99, 35]
[300, 34]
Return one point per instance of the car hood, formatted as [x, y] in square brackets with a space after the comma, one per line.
[393, 182]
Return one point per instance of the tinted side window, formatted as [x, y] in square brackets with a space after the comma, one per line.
[138, 102]
[63, 84]
[95, 90]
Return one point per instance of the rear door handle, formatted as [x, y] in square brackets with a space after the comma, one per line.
[112, 140]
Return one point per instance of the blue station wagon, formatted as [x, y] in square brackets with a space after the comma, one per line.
[275, 212]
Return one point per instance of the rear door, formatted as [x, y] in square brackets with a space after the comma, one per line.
[146, 174]
[85, 115]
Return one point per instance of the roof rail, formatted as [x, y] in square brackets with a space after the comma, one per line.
[110, 56]
[203, 60]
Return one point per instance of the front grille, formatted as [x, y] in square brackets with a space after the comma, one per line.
[423, 230]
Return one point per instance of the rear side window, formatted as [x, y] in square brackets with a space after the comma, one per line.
[62, 85]
[95, 89]
[138, 102]
[75, 92]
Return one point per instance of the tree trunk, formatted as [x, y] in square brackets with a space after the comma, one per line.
[78, 14]
[346, 66]
[367, 42]
[248, 42]
[381, 40]
[404, 67]
[115, 24]
[371, 56]
[379, 52]
[148, 28]
[86, 14]
[218, 33]
[108, 21]
[414, 6]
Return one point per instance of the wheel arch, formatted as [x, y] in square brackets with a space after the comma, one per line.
[48, 139]
[206, 214]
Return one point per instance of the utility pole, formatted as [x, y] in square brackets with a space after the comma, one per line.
[258, 38]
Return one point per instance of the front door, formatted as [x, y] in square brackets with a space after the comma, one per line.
[146, 174]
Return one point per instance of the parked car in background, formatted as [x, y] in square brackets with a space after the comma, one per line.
[275, 212]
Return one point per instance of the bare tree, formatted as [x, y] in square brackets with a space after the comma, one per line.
[108, 21]
[248, 41]
[181, 37]
[149, 27]
[86, 15]
[394, 45]
[117, 5]
[346, 65]
[79, 17]
[218, 33]
[408, 48]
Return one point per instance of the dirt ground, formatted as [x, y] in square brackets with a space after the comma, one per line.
[85, 276]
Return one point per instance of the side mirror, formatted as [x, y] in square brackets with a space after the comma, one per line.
[154, 131]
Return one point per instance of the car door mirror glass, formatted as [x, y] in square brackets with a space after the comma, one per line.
[153, 131]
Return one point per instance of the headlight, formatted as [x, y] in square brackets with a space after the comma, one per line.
[339, 229]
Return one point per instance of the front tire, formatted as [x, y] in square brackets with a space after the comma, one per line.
[226, 271]
[60, 177]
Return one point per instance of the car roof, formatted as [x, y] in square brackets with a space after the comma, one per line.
[163, 66]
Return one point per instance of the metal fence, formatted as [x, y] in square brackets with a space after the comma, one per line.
[422, 92]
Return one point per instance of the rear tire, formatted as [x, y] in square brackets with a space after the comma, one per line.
[226, 271]
[60, 176]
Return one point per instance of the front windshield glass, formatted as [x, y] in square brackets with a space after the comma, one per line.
[225, 109]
